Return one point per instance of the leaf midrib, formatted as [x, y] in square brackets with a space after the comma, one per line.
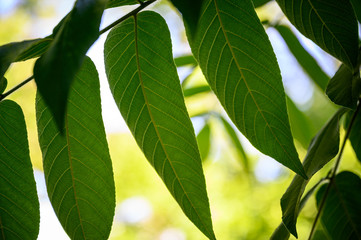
[244, 79]
[72, 174]
[155, 126]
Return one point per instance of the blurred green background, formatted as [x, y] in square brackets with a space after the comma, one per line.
[244, 188]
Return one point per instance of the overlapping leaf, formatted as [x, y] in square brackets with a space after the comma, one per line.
[19, 205]
[331, 24]
[323, 147]
[146, 88]
[238, 62]
[204, 141]
[355, 137]
[356, 4]
[3, 84]
[307, 62]
[185, 60]
[54, 71]
[260, 3]
[77, 165]
[342, 210]
[119, 3]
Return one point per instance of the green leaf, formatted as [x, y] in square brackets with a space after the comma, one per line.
[3, 84]
[356, 4]
[119, 3]
[77, 165]
[307, 62]
[331, 24]
[344, 88]
[204, 141]
[323, 147]
[19, 204]
[185, 60]
[35, 50]
[238, 62]
[54, 71]
[354, 137]
[300, 124]
[236, 143]
[190, 10]
[188, 92]
[144, 82]
[260, 3]
[342, 210]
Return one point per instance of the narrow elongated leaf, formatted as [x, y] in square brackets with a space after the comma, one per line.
[146, 88]
[188, 92]
[323, 147]
[3, 84]
[331, 24]
[77, 165]
[119, 3]
[356, 4]
[260, 3]
[238, 62]
[190, 10]
[204, 141]
[54, 71]
[344, 88]
[342, 210]
[185, 60]
[35, 50]
[236, 142]
[307, 62]
[19, 205]
[355, 136]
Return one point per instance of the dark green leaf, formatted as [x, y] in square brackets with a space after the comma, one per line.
[356, 4]
[238, 62]
[3, 84]
[260, 3]
[307, 62]
[54, 71]
[342, 210]
[204, 141]
[331, 24]
[355, 136]
[344, 88]
[323, 147]
[19, 205]
[188, 92]
[185, 60]
[119, 3]
[77, 165]
[190, 11]
[35, 50]
[10, 53]
[236, 142]
[300, 124]
[144, 82]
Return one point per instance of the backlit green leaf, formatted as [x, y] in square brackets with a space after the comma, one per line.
[307, 62]
[54, 71]
[342, 210]
[204, 141]
[3, 84]
[77, 165]
[144, 82]
[344, 88]
[238, 62]
[19, 205]
[355, 136]
[323, 147]
[185, 60]
[331, 24]
[188, 92]
[119, 3]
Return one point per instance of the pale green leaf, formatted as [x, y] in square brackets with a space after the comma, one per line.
[19, 205]
[323, 147]
[237, 59]
[119, 3]
[144, 82]
[307, 62]
[188, 92]
[331, 24]
[204, 141]
[342, 210]
[55, 70]
[77, 165]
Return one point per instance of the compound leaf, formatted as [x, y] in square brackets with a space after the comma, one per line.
[342, 210]
[77, 165]
[331, 24]
[55, 70]
[238, 62]
[146, 88]
[19, 205]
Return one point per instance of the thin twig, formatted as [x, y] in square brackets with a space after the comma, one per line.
[333, 172]
[107, 28]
